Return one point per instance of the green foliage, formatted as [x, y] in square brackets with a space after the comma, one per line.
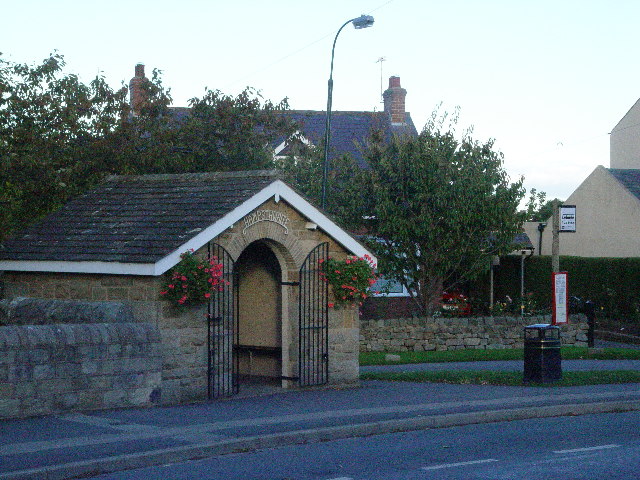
[231, 133]
[192, 281]
[303, 169]
[544, 210]
[350, 279]
[50, 124]
[441, 208]
[435, 207]
[59, 136]
[612, 283]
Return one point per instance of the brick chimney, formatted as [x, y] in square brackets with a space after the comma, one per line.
[137, 93]
[394, 101]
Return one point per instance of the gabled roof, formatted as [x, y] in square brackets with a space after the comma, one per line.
[629, 178]
[622, 123]
[349, 130]
[140, 224]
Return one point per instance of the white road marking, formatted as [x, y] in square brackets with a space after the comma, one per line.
[341, 478]
[587, 449]
[459, 464]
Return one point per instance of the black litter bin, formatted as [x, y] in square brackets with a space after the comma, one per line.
[542, 358]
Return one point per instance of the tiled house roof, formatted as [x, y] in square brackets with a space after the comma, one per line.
[629, 178]
[135, 219]
[140, 225]
[349, 130]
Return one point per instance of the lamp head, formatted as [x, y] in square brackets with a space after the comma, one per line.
[363, 21]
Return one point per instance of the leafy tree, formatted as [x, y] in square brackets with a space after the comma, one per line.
[435, 208]
[441, 208]
[303, 168]
[59, 136]
[232, 133]
[544, 210]
[48, 125]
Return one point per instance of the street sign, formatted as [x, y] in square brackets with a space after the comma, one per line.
[567, 218]
[560, 310]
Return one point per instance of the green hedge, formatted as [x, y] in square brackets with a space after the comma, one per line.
[612, 283]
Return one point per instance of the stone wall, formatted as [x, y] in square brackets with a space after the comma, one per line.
[53, 368]
[424, 334]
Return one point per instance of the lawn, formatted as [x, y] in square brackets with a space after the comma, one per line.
[473, 355]
[506, 378]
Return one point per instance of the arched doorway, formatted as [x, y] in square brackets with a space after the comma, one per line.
[259, 344]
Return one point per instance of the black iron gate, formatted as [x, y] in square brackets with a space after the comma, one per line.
[313, 362]
[223, 329]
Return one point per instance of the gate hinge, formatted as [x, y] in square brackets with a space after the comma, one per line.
[293, 284]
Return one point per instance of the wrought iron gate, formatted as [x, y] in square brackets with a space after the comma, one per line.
[313, 341]
[223, 330]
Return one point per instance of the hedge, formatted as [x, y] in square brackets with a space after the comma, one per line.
[612, 283]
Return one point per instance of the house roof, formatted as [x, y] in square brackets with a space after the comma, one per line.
[349, 130]
[141, 224]
[629, 178]
[522, 242]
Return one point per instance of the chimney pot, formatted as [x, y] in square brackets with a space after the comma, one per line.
[394, 82]
[140, 70]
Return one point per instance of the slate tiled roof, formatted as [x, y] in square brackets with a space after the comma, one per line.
[135, 219]
[629, 178]
[349, 130]
[522, 241]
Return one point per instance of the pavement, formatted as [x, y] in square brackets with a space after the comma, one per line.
[83, 445]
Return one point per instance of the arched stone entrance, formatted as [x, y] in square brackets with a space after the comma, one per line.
[259, 345]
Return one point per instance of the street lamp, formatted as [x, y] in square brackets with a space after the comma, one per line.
[363, 21]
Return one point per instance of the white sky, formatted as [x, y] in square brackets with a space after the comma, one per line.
[547, 79]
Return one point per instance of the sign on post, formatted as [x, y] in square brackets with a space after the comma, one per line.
[567, 218]
[560, 310]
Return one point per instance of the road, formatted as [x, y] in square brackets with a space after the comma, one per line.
[582, 447]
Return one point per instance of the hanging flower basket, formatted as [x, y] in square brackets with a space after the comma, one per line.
[350, 279]
[192, 281]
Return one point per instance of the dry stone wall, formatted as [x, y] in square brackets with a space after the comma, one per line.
[425, 334]
[46, 369]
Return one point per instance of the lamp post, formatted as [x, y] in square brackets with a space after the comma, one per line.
[363, 21]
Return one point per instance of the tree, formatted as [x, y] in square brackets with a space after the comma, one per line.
[303, 168]
[59, 136]
[48, 125]
[435, 208]
[232, 133]
[544, 210]
[441, 208]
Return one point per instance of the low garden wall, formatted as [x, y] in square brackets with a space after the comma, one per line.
[56, 367]
[424, 334]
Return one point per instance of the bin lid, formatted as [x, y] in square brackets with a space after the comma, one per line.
[540, 325]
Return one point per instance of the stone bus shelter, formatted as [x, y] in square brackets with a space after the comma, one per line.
[270, 325]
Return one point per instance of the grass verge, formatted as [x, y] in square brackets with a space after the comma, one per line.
[568, 353]
[506, 378]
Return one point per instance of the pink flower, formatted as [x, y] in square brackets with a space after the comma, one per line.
[330, 305]
[171, 286]
[207, 295]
